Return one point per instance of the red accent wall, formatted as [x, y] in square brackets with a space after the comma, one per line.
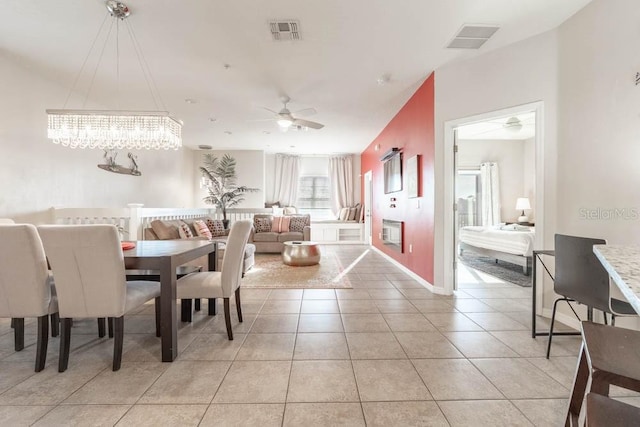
[411, 130]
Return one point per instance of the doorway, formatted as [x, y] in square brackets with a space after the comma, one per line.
[368, 198]
[463, 180]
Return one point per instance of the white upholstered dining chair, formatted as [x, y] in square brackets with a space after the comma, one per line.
[26, 286]
[88, 267]
[225, 283]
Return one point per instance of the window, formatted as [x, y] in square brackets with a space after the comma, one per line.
[314, 197]
[469, 197]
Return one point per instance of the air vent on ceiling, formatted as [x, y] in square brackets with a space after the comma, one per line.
[285, 29]
[472, 36]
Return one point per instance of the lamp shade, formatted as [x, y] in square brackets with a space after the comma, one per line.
[523, 203]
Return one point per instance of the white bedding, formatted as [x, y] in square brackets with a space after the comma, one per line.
[517, 242]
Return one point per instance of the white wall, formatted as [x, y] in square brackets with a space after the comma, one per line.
[35, 174]
[314, 166]
[584, 73]
[510, 157]
[530, 176]
[250, 169]
[518, 74]
[269, 177]
[600, 117]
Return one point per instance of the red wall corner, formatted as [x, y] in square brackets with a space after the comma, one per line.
[411, 130]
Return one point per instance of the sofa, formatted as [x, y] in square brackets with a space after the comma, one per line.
[177, 229]
[268, 238]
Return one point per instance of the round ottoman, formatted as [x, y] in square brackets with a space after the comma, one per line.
[300, 254]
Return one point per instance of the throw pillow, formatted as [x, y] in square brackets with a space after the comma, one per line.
[216, 227]
[185, 231]
[344, 214]
[262, 225]
[202, 229]
[164, 231]
[280, 224]
[352, 214]
[297, 223]
[271, 204]
[290, 210]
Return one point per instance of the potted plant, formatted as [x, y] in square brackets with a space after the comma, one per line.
[220, 175]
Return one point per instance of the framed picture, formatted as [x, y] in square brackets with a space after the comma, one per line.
[412, 176]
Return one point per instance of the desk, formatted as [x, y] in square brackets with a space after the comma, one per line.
[536, 258]
[623, 265]
[165, 256]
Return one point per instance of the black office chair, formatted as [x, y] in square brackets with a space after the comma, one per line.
[581, 278]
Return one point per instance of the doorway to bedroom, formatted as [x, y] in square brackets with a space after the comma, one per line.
[494, 195]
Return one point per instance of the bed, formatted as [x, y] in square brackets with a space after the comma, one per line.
[510, 243]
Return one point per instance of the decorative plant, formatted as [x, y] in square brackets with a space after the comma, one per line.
[221, 178]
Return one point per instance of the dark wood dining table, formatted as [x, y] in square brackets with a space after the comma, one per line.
[165, 256]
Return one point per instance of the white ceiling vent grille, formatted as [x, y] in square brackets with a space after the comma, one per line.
[472, 36]
[285, 29]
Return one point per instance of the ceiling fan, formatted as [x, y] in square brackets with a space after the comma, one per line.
[288, 120]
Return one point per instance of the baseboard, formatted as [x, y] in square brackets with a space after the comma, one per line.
[427, 285]
[341, 242]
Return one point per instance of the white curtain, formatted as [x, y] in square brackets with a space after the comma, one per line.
[490, 193]
[341, 182]
[286, 179]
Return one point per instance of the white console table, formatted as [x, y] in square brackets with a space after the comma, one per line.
[337, 232]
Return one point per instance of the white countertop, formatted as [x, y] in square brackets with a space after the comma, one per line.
[622, 262]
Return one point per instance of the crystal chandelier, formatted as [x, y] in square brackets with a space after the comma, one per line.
[114, 129]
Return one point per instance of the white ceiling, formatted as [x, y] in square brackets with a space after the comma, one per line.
[346, 46]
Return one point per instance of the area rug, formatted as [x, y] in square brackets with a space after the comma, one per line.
[502, 270]
[270, 272]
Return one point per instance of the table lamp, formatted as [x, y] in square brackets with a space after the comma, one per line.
[521, 204]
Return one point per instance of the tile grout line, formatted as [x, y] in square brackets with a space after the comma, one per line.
[203, 330]
[295, 343]
[353, 371]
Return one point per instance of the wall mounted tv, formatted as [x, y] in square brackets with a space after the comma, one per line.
[393, 174]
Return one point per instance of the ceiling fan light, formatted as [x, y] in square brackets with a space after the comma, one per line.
[513, 125]
[284, 122]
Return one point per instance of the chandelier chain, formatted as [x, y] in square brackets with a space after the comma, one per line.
[148, 77]
[75, 81]
[118, 63]
[95, 71]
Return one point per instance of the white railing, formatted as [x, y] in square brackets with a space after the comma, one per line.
[134, 219]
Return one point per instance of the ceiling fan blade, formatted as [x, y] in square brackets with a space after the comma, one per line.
[270, 110]
[305, 112]
[307, 123]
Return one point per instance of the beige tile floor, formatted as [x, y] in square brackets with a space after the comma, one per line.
[387, 352]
